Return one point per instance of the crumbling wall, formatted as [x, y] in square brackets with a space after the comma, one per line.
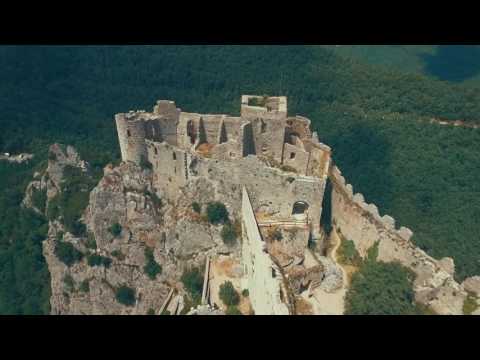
[361, 223]
[269, 136]
[296, 158]
[262, 277]
[131, 136]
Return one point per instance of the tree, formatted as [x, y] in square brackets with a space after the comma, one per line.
[67, 253]
[115, 229]
[217, 213]
[228, 294]
[229, 235]
[381, 289]
[125, 295]
[151, 268]
[192, 279]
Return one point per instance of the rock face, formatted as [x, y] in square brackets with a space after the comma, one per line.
[472, 285]
[177, 236]
[49, 182]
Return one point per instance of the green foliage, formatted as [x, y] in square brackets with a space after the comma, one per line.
[115, 229]
[98, 260]
[69, 283]
[84, 286]
[217, 213]
[118, 254]
[39, 199]
[348, 254]
[151, 311]
[192, 280]
[196, 207]
[67, 253]
[381, 289]
[151, 268]
[245, 293]
[166, 312]
[233, 310]
[229, 235]
[425, 176]
[91, 243]
[125, 295]
[228, 294]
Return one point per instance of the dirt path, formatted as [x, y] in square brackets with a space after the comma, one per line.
[324, 303]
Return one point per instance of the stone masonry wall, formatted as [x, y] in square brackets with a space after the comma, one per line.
[360, 222]
[262, 277]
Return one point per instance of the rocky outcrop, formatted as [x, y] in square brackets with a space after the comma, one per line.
[49, 180]
[124, 197]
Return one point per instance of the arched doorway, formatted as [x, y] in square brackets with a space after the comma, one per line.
[299, 210]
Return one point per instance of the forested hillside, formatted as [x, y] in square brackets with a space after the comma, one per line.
[454, 63]
[424, 175]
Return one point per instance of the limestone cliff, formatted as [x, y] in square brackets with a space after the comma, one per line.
[124, 197]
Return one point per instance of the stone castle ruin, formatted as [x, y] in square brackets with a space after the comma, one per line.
[271, 172]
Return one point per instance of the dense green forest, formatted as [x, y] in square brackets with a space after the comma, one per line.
[376, 120]
[454, 63]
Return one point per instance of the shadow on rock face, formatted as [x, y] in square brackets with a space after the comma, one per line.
[455, 63]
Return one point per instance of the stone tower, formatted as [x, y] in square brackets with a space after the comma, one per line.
[131, 135]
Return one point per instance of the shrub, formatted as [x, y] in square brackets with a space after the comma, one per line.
[192, 279]
[125, 295]
[52, 156]
[151, 311]
[151, 268]
[91, 243]
[166, 312]
[245, 293]
[85, 286]
[381, 289]
[115, 229]
[39, 199]
[69, 283]
[228, 294]
[118, 254]
[233, 310]
[217, 213]
[67, 253]
[348, 254]
[229, 236]
[98, 260]
[196, 207]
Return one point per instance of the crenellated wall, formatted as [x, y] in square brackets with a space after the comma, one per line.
[356, 220]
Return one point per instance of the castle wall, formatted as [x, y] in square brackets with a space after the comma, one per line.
[296, 158]
[360, 222]
[269, 137]
[262, 277]
[131, 132]
[320, 158]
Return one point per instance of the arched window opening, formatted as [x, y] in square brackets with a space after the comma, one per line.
[174, 156]
[128, 133]
[299, 208]
[156, 151]
[292, 155]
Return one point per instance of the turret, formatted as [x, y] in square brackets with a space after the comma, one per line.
[131, 136]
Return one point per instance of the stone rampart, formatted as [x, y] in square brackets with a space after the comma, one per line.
[262, 276]
[356, 220]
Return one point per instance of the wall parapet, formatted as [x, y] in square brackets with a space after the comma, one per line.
[387, 222]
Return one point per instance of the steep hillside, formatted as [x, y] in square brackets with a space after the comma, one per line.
[454, 63]
[375, 119]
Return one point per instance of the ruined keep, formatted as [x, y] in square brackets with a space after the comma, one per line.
[263, 149]
[271, 172]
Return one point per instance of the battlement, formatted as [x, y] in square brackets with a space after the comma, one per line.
[264, 106]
